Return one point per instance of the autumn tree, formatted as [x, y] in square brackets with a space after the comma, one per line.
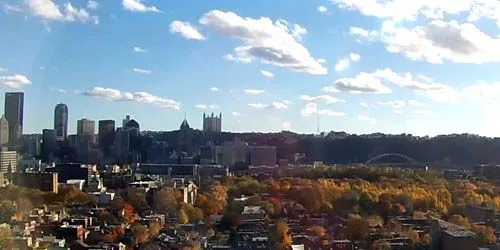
[318, 231]
[282, 236]
[356, 228]
[182, 217]
[486, 234]
[6, 238]
[459, 220]
[129, 215]
[381, 245]
[140, 233]
[154, 229]
[165, 200]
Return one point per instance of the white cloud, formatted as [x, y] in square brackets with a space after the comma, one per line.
[139, 97]
[92, 5]
[214, 89]
[312, 109]
[205, 106]
[16, 81]
[354, 57]
[410, 10]
[322, 9]
[236, 113]
[267, 74]
[364, 104]
[186, 30]
[47, 9]
[440, 41]
[138, 6]
[254, 91]
[2, 69]
[273, 105]
[140, 50]
[330, 89]
[11, 8]
[321, 60]
[142, 71]
[362, 83]
[396, 106]
[287, 102]
[322, 98]
[342, 64]
[367, 119]
[286, 126]
[276, 43]
[363, 33]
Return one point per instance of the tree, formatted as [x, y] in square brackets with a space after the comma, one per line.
[356, 228]
[318, 231]
[486, 234]
[165, 200]
[459, 220]
[141, 234]
[6, 238]
[6, 211]
[154, 229]
[24, 206]
[381, 245]
[282, 236]
[129, 215]
[182, 217]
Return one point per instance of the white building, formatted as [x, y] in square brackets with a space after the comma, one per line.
[8, 161]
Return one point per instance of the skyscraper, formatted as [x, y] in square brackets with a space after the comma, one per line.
[125, 121]
[85, 127]
[14, 109]
[48, 144]
[61, 121]
[4, 131]
[106, 136]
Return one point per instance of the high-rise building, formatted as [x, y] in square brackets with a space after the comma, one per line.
[106, 136]
[8, 161]
[61, 121]
[212, 123]
[49, 144]
[125, 121]
[85, 127]
[122, 145]
[14, 109]
[85, 138]
[4, 131]
[33, 144]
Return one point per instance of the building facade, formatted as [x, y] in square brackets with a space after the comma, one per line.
[185, 138]
[14, 112]
[106, 136]
[262, 155]
[61, 121]
[8, 161]
[46, 182]
[212, 124]
[85, 127]
[4, 131]
[49, 144]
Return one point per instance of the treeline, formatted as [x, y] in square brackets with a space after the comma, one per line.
[462, 150]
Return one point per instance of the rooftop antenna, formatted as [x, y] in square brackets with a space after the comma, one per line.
[185, 115]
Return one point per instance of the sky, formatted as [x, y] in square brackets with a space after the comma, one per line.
[361, 66]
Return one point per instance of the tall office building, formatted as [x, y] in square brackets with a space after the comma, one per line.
[8, 161]
[4, 131]
[85, 127]
[125, 121]
[61, 121]
[106, 136]
[49, 145]
[14, 109]
[212, 123]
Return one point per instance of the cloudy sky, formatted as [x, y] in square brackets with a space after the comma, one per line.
[396, 66]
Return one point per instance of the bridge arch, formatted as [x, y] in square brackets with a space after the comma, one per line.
[378, 157]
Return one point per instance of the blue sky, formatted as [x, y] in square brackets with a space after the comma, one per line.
[393, 66]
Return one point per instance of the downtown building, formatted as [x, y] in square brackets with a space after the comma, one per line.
[61, 121]
[14, 111]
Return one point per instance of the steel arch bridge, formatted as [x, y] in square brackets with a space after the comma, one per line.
[381, 156]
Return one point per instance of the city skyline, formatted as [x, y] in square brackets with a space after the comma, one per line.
[270, 68]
